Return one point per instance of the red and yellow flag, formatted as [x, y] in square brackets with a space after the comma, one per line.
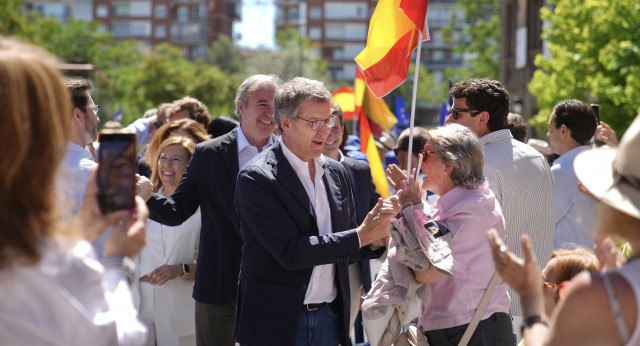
[345, 98]
[367, 145]
[393, 34]
[375, 109]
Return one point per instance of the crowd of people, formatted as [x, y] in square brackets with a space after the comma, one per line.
[263, 231]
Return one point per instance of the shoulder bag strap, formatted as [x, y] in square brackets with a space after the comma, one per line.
[481, 308]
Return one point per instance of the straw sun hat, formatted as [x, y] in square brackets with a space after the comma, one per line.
[613, 175]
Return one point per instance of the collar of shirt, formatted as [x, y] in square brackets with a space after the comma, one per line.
[340, 156]
[76, 150]
[243, 142]
[570, 155]
[301, 166]
[496, 136]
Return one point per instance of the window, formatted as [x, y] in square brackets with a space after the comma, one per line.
[315, 33]
[161, 11]
[120, 9]
[160, 31]
[183, 13]
[334, 31]
[141, 28]
[102, 11]
[351, 50]
[338, 54]
[315, 12]
[140, 9]
[294, 14]
[345, 10]
[356, 31]
[120, 29]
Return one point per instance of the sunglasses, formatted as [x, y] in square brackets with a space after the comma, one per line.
[425, 153]
[96, 108]
[456, 112]
[549, 284]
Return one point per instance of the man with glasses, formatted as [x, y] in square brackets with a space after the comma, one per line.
[78, 162]
[518, 175]
[299, 230]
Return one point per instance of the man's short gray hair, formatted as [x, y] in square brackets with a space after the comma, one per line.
[459, 147]
[291, 94]
[253, 83]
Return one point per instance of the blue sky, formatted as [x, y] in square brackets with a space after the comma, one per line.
[257, 25]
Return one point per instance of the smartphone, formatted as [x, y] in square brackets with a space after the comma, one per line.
[116, 171]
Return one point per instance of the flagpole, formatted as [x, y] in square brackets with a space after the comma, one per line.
[413, 107]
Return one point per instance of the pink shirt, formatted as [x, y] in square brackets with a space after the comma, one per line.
[453, 300]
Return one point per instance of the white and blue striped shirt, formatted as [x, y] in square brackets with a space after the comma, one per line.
[520, 178]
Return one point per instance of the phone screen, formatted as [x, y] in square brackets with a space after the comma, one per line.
[116, 171]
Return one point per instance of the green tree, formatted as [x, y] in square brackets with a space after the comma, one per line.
[296, 57]
[481, 39]
[594, 56]
[426, 93]
[11, 17]
[226, 56]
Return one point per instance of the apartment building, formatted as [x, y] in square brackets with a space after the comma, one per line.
[189, 24]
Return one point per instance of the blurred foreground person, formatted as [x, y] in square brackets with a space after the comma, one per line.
[597, 309]
[54, 291]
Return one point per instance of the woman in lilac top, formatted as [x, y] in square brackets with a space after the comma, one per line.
[453, 165]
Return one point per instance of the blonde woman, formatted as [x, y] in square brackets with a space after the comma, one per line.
[167, 263]
[53, 290]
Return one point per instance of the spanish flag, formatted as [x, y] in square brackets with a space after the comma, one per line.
[367, 145]
[345, 98]
[393, 35]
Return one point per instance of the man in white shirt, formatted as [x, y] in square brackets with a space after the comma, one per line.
[78, 161]
[571, 125]
[299, 232]
[517, 174]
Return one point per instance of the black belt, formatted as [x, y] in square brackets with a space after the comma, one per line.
[313, 307]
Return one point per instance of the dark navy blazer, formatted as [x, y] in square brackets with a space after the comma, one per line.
[209, 182]
[282, 245]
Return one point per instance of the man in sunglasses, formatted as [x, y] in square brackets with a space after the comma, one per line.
[517, 174]
[299, 231]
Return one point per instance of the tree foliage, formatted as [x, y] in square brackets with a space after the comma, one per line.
[481, 39]
[595, 57]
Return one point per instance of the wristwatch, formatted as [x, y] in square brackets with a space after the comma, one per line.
[531, 320]
[185, 269]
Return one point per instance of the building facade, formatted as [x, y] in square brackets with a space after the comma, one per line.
[521, 42]
[190, 24]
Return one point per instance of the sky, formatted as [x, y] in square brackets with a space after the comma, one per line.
[257, 26]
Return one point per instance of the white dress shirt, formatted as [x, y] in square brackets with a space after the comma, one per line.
[321, 287]
[246, 151]
[575, 213]
[67, 298]
[522, 182]
[71, 182]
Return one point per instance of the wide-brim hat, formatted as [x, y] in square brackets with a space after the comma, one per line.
[613, 175]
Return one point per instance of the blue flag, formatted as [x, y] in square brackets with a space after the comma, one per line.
[402, 116]
[117, 116]
[444, 111]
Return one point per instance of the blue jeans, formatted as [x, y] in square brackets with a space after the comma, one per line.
[317, 328]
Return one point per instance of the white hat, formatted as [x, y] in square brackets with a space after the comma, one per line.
[613, 175]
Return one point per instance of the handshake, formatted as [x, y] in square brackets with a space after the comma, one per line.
[374, 230]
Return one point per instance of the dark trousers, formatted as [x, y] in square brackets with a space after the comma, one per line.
[495, 330]
[214, 324]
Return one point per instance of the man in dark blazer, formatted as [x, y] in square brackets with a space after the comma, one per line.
[209, 182]
[299, 230]
[365, 198]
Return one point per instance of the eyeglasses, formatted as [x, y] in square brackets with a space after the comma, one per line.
[318, 124]
[456, 115]
[549, 284]
[96, 108]
[425, 153]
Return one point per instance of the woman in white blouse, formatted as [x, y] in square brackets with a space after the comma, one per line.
[167, 263]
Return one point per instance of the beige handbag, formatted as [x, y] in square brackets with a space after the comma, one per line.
[412, 337]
